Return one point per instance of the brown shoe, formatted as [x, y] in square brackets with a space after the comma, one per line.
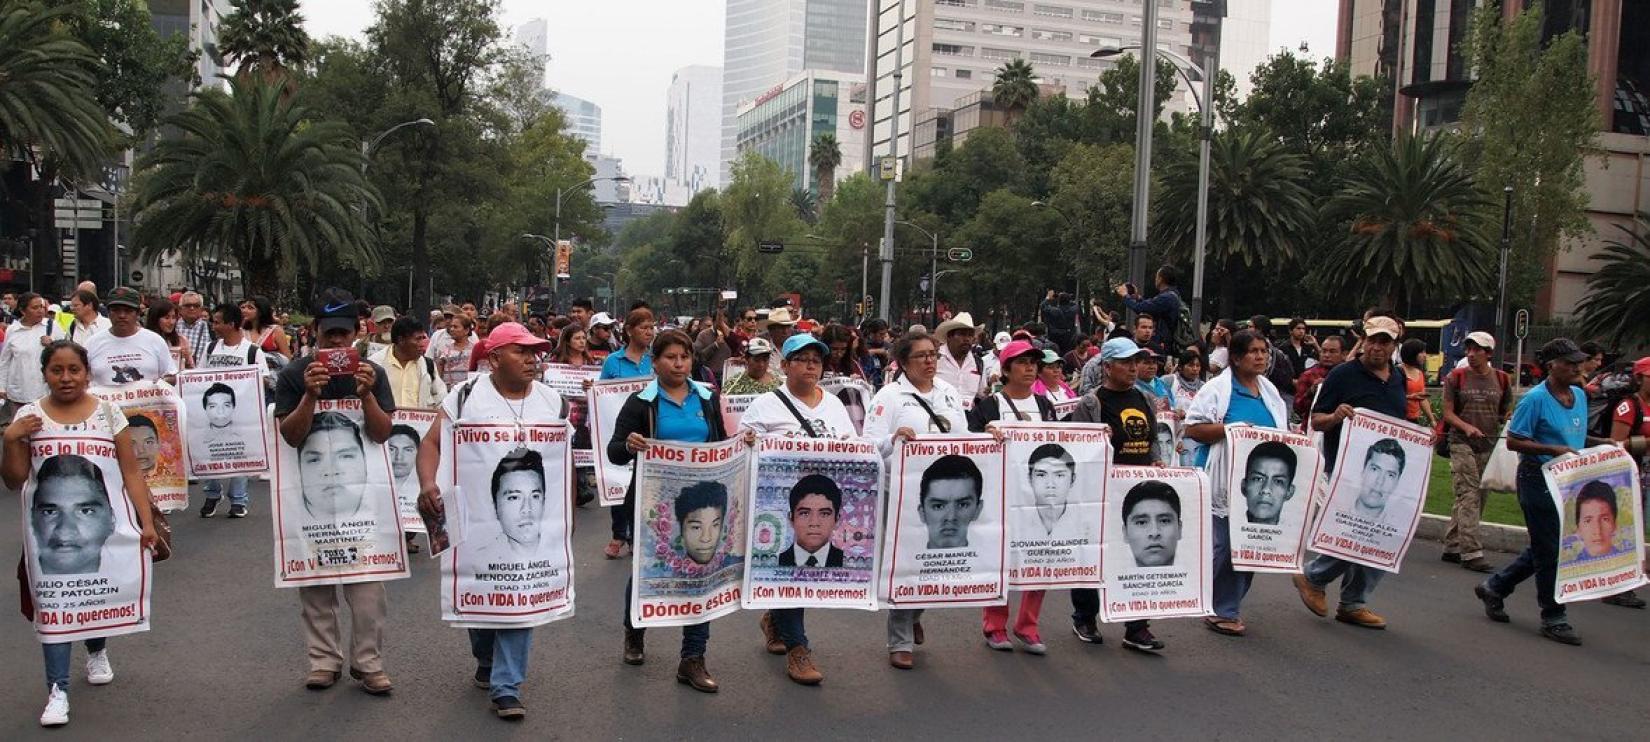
[916, 631]
[375, 683]
[320, 679]
[1312, 596]
[799, 664]
[633, 644]
[692, 671]
[902, 660]
[1361, 617]
[770, 634]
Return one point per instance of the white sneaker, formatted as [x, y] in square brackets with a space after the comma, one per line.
[57, 709]
[98, 669]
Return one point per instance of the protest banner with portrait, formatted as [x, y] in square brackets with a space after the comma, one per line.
[568, 381]
[408, 428]
[335, 517]
[1601, 538]
[854, 393]
[605, 399]
[1158, 550]
[816, 510]
[88, 572]
[689, 562]
[1376, 491]
[156, 418]
[1271, 475]
[1055, 474]
[513, 567]
[945, 547]
[1064, 407]
[228, 428]
[733, 409]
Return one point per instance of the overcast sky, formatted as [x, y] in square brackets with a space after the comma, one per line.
[621, 53]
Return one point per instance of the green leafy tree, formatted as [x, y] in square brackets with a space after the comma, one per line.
[1618, 295]
[1531, 117]
[696, 238]
[252, 178]
[954, 186]
[1260, 215]
[1093, 191]
[264, 36]
[137, 62]
[1014, 86]
[825, 155]
[1016, 249]
[1317, 110]
[1412, 227]
[757, 207]
[803, 201]
[49, 112]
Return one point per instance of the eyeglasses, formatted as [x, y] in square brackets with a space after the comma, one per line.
[192, 305]
[927, 355]
[748, 318]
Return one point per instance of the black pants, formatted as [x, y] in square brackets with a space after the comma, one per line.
[1085, 607]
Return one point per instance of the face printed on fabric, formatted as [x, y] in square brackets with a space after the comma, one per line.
[1596, 525]
[948, 507]
[1134, 424]
[333, 469]
[145, 446]
[71, 519]
[1051, 481]
[1267, 484]
[519, 503]
[220, 409]
[813, 519]
[1152, 530]
[403, 450]
[701, 533]
[1379, 479]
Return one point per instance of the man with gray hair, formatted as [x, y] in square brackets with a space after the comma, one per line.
[193, 324]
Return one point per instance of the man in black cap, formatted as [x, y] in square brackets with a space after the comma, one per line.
[298, 387]
[126, 352]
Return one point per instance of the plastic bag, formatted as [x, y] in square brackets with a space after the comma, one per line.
[1501, 473]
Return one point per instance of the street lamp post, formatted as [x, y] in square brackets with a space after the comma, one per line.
[560, 194]
[933, 268]
[1501, 292]
[886, 255]
[370, 146]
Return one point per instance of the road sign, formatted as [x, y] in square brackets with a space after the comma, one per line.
[887, 168]
[1521, 324]
[137, 276]
[959, 254]
[77, 213]
[770, 247]
[564, 259]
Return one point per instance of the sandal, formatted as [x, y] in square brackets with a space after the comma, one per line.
[1226, 626]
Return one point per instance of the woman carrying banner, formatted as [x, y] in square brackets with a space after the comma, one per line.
[799, 407]
[1240, 394]
[1630, 427]
[1017, 401]
[913, 404]
[633, 361]
[68, 408]
[511, 394]
[678, 409]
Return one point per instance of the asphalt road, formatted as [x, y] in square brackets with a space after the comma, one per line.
[225, 660]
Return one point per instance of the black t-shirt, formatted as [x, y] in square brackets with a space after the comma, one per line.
[1131, 420]
[1351, 384]
[289, 387]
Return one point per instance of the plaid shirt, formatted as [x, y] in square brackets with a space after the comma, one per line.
[198, 335]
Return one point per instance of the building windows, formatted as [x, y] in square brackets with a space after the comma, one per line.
[955, 3]
[1053, 11]
[998, 29]
[1043, 34]
[1165, 23]
[1092, 40]
[1099, 16]
[1091, 63]
[1007, 6]
[936, 71]
[951, 24]
[1057, 60]
[998, 54]
[965, 74]
[953, 50]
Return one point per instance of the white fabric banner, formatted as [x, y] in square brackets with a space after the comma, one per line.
[82, 546]
[513, 568]
[816, 512]
[156, 418]
[1271, 475]
[1055, 475]
[605, 399]
[408, 428]
[228, 428]
[855, 395]
[1601, 538]
[733, 409]
[1376, 491]
[335, 517]
[689, 559]
[1157, 561]
[945, 545]
[568, 381]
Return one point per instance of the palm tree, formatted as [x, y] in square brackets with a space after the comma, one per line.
[49, 113]
[806, 207]
[1618, 295]
[264, 35]
[1260, 208]
[253, 177]
[1015, 87]
[1412, 226]
[825, 155]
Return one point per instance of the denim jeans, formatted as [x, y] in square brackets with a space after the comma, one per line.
[237, 489]
[504, 651]
[1540, 558]
[695, 637]
[1357, 581]
[788, 622]
[57, 661]
[1230, 585]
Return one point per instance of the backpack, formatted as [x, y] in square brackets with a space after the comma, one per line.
[1440, 444]
[1612, 389]
[1183, 336]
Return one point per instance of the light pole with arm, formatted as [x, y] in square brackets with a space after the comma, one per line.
[933, 268]
[370, 146]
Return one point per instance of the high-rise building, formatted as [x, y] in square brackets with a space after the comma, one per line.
[782, 124]
[534, 36]
[766, 42]
[584, 118]
[199, 21]
[1237, 33]
[693, 129]
[1418, 43]
[951, 49]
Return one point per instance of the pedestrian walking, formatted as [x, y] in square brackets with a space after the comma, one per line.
[635, 361]
[1477, 400]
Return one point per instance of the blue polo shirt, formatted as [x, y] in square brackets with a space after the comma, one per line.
[1541, 418]
[683, 423]
[1352, 384]
[1244, 407]
[619, 366]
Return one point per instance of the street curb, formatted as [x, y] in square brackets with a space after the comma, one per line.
[1494, 536]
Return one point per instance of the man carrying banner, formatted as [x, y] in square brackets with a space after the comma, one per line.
[414, 383]
[229, 348]
[298, 387]
[1550, 421]
[1365, 383]
[128, 353]
[799, 407]
[511, 394]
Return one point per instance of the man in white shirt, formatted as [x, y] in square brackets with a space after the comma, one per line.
[87, 322]
[127, 353]
[232, 348]
[412, 375]
[21, 381]
[958, 365]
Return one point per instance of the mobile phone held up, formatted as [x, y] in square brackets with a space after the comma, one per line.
[339, 361]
